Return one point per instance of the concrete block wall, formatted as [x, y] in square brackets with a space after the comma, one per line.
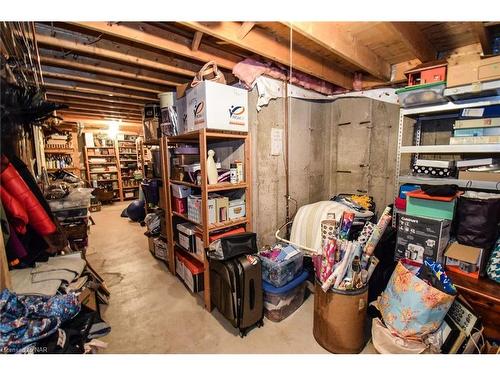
[316, 155]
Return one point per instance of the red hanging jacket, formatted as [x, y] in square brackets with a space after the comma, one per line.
[16, 211]
[14, 184]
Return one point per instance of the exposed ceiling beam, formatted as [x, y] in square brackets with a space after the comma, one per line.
[152, 36]
[195, 45]
[245, 28]
[415, 40]
[91, 109]
[138, 75]
[101, 122]
[124, 57]
[345, 45]
[92, 104]
[483, 35]
[95, 97]
[81, 88]
[97, 115]
[266, 45]
[101, 80]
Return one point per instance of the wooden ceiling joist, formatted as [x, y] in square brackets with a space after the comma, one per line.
[122, 72]
[72, 94]
[83, 114]
[92, 104]
[344, 45]
[261, 43]
[92, 109]
[415, 40]
[110, 54]
[195, 45]
[103, 80]
[152, 36]
[111, 116]
[245, 28]
[100, 122]
[483, 35]
[72, 86]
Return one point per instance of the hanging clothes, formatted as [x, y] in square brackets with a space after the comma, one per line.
[18, 217]
[15, 185]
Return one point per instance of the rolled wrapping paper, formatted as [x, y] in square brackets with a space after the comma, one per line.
[378, 231]
[327, 259]
[357, 251]
[366, 232]
[345, 264]
[373, 263]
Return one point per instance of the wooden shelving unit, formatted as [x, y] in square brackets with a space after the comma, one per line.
[127, 152]
[206, 139]
[110, 154]
[63, 152]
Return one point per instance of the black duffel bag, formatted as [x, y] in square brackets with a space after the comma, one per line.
[477, 218]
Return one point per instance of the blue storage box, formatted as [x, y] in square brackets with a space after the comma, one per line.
[279, 303]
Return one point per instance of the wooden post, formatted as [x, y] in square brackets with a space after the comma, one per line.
[165, 174]
[204, 215]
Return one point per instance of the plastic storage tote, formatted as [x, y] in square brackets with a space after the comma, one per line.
[279, 274]
[414, 96]
[279, 303]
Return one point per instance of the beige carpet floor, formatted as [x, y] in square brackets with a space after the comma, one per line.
[151, 311]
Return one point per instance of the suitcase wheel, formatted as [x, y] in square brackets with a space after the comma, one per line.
[243, 333]
[260, 323]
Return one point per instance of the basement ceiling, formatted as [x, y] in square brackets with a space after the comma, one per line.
[110, 70]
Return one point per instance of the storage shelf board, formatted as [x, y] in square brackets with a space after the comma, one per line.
[194, 136]
[472, 89]
[64, 169]
[106, 180]
[59, 151]
[193, 255]
[227, 224]
[451, 149]
[226, 186]
[481, 102]
[130, 187]
[102, 172]
[185, 217]
[177, 182]
[470, 184]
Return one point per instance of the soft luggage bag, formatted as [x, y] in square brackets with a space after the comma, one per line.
[236, 291]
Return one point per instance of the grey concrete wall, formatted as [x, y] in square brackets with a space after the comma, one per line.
[316, 155]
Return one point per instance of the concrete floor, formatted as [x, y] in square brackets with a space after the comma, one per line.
[151, 311]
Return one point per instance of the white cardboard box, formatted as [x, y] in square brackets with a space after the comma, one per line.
[213, 105]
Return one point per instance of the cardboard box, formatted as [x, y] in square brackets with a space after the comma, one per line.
[213, 105]
[222, 208]
[237, 209]
[469, 72]
[420, 237]
[420, 204]
[187, 236]
[479, 176]
[466, 260]
[181, 108]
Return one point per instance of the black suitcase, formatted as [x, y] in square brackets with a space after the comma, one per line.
[236, 291]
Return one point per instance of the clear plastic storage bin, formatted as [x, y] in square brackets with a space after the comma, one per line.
[414, 96]
[281, 273]
[279, 303]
